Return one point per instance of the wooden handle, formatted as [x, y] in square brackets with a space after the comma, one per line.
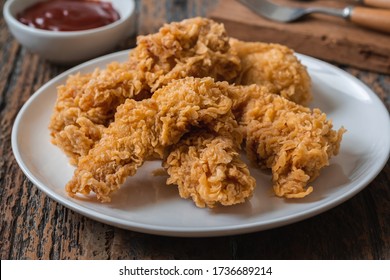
[371, 18]
[377, 3]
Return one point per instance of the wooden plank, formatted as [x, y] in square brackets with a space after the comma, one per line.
[325, 37]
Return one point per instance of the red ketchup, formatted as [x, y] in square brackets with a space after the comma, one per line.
[69, 15]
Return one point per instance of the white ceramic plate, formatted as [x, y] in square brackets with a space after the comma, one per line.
[146, 204]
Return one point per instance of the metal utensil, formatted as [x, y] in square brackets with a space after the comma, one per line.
[375, 3]
[372, 3]
[376, 19]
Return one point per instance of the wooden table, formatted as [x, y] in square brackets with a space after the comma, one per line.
[33, 226]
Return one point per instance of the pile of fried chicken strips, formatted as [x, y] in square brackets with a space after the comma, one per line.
[198, 100]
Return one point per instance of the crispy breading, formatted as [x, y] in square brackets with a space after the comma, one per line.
[145, 128]
[294, 141]
[196, 47]
[277, 70]
[111, 120]
[86, 104]
[275, 66]
[207, 168]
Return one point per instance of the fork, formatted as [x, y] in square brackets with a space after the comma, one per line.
[376, 19]
[371, 3]
[375, 3]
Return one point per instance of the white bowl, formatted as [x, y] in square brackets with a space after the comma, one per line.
[70, 47]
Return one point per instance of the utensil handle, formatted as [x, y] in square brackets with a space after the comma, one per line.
[371, 18]
[377, 3]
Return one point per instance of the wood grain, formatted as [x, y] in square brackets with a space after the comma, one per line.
[33, 226]
[326, 37]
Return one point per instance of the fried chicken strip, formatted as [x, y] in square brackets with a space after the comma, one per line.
[275, 66]
[145, 128]
[295, 142]
[207, 168]
[86, 104]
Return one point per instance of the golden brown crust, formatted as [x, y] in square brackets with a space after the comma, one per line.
[145, 128]
[292, 140]
[207, 168]
[86, 104]
[194, 47]
[274, 66]
[158, 111]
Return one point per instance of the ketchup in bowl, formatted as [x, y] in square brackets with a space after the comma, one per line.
[69, 15]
